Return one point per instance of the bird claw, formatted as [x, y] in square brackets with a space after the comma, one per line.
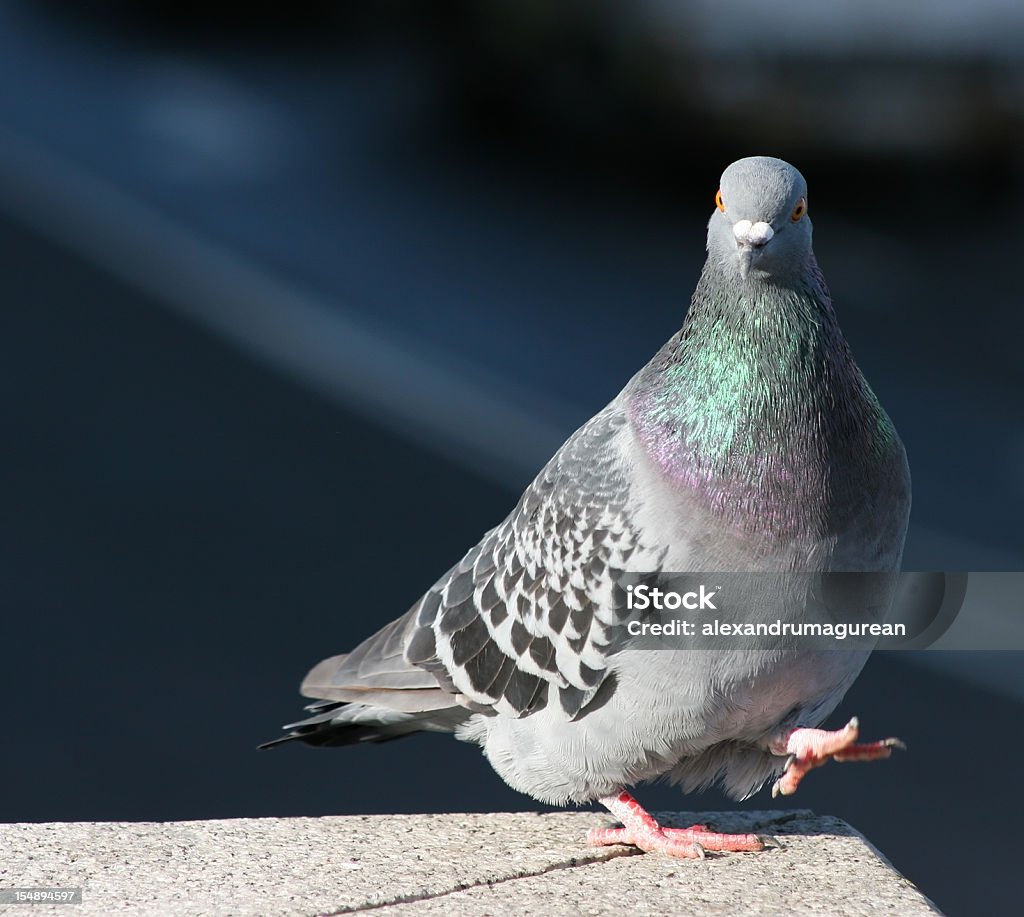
[641, 830]
[660, 840]
[811, 748]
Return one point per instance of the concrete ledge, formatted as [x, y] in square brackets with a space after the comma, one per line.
[512, 864]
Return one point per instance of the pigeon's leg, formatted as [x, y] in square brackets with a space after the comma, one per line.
[810, 748]
[639, 829]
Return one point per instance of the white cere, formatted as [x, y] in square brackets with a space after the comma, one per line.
[752, 233]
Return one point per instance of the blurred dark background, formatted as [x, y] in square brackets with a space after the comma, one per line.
[295, 303]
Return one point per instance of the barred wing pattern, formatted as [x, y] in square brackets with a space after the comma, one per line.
[533, 605]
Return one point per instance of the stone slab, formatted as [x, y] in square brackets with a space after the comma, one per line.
[497, 864]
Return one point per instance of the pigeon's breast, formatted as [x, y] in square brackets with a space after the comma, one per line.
[793, 498]
[766, 518]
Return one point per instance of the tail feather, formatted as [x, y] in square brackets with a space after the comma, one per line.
[339, 723]
[373, 694]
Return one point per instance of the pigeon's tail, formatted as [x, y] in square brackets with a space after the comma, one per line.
[341, 723]
[373, 694]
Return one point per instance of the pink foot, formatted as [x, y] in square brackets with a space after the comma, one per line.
[641, 830]
[810, 748]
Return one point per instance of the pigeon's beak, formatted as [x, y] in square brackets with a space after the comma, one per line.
[751, 238]
[747, 257]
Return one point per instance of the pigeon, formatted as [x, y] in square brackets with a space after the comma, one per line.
[750, 442]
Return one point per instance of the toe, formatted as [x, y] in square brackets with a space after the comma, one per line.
[604, 837]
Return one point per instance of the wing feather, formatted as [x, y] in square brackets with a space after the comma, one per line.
[528, 614]
[531, 608]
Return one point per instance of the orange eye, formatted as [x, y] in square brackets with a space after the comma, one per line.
[799, 210]
[718, 200]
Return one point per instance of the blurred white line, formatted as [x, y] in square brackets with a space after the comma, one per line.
[324, 347]
[453, 410]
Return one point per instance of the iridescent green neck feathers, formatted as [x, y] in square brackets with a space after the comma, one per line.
[756, 399]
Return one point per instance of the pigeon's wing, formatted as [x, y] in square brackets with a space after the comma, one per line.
[528, 614]
[534, 604]
[377, 673]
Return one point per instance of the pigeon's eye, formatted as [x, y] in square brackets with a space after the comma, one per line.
[719, 203]
[799, 210]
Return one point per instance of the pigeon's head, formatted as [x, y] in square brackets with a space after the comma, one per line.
[760, 228]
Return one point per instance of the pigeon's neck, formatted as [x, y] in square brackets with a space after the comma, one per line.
[754, 402]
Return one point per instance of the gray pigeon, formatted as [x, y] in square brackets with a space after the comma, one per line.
[750, 442]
